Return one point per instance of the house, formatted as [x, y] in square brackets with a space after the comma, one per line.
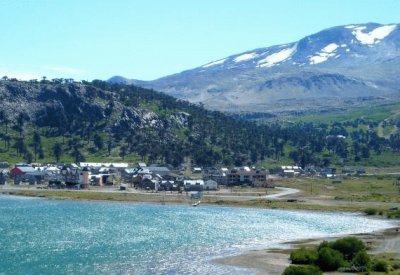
[196, 170]
[168, 185]
[150, 184]
[348, 171]
[128, 173]
[245, 175]
[84, 179]
[70, 176]
[224, 170]
[21, 170]
[22, 164]
[136, 181]
[290, 171]
[310, 170]
[210, 170]
[3, 175]
[98, 165]
[193, 185]
[4, 165]
[147, 181]
[335, 137]
[328, 173]
[26, 173]
[210, 185]
[268, 183]
[159, 170]
[104, 170]
[361, 171]
[216, 175]
[51, 171]
[101, 179]
[143, 171]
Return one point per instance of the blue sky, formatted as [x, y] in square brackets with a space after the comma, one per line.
[144, 39]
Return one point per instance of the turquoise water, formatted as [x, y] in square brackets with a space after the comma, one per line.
[39, 236]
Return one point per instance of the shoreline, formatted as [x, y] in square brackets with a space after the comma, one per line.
[273, 261]
[219, 199]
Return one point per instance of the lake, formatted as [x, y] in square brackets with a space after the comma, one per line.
[39, 236]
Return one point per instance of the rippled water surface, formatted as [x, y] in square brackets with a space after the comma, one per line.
[40, 236]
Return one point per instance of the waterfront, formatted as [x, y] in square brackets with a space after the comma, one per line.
[54, 236]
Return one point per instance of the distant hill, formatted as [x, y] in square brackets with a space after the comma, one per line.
[341, 66]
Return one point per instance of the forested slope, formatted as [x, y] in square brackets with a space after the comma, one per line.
[64, 120]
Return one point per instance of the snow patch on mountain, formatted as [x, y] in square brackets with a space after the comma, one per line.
[322, 57]
[218, 62]
[330, 48]
[278, 57]
[245, 57]
[325, 53]
[373, 36]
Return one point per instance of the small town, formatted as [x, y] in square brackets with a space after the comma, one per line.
[155, 177]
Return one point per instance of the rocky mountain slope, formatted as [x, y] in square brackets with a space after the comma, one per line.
[340, 66]
[99, 120]
[52, 104]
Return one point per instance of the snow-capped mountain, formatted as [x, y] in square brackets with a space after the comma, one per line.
[340, 64]
[336, 45]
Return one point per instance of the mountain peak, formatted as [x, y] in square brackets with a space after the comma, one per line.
[326, 45]
[349, 61]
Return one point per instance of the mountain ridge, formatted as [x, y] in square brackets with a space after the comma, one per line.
[349, 61]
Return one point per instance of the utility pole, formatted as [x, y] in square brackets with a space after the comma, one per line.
[311, 187]
[396, 183]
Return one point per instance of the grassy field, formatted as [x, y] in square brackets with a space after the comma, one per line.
[377, 113]
[363, 188]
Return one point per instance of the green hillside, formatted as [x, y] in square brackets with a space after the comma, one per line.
[66, 121]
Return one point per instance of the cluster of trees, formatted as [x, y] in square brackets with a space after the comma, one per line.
[316, 140]
[346, 255]
[101, 118]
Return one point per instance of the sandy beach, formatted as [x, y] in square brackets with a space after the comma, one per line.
[274, 261]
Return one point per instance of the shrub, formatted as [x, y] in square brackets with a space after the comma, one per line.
[370, 211]
[324, 244]
[361, 261]
[380, 266]
[302, 270]
[303, 256]
[348, 246]
[393, 214]
[330, 259]
[396, 266]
